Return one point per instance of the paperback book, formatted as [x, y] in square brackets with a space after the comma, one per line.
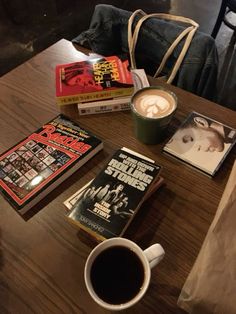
[41, 161]
[105, 206]
[202, 142]
[116, 103]
[93, 79]
[70, 202]
[103, 106]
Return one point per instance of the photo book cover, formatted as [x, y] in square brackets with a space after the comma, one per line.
[202, 142]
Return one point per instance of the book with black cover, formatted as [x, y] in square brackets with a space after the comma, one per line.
[107, 205]
[40, 162]
[201, 142]
[70, 202]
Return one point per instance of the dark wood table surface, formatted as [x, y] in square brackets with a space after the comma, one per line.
[42, 256]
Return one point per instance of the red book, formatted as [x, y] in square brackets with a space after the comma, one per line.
[40, 162]
[93, 79]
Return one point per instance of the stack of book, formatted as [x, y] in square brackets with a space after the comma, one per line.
[116, 103]
[98, 85]
[105, 206]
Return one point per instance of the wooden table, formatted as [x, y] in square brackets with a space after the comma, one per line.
[42, 258]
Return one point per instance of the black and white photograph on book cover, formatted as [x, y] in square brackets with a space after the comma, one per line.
[109, 202]
[202, 142]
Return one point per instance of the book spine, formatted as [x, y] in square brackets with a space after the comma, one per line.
[93, 96]
[95, 235]
[102, 109]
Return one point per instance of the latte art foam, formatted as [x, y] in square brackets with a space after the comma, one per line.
[154, 105]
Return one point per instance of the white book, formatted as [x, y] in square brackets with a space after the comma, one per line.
[103, 106]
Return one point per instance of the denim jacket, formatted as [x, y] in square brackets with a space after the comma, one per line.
[107, 35]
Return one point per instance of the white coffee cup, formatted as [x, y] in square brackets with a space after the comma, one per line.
[147, 258]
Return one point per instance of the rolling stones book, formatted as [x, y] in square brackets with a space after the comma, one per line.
[93, 79]
[105, 206]
[73, 198]
[202, 142]
[41, 161]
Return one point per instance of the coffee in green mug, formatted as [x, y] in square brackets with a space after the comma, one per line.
[152, 109]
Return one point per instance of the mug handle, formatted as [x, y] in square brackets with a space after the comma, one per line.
[154, 254]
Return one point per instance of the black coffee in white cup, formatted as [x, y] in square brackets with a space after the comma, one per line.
[117, 275]
[118, 272]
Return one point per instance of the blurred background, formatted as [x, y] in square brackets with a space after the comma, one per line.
[30, 26]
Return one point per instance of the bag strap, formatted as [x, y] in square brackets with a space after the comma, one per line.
[131, 46]
[188, 33]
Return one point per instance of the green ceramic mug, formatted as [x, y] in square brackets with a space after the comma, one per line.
[152, 109]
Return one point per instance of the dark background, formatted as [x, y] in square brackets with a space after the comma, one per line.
[27, 27]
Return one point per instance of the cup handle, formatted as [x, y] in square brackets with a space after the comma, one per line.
[154, 254]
